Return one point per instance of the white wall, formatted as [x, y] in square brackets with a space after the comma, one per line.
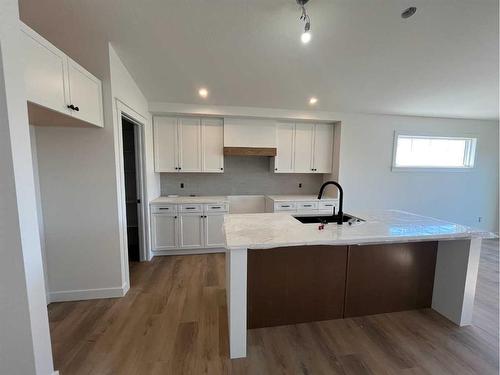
[125, 90]
[81, 193]
[462, 197]
[365, 158]
[38, 197]
[79, 203]
[24, 331]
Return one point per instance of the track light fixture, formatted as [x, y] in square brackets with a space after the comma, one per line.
[306, 35]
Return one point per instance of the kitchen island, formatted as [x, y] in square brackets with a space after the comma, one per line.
[280, 271]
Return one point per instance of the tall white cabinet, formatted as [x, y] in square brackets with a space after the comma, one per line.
[188, 144]
[57, 83]
[304, 148]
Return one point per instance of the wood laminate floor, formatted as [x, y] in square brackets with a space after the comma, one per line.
[173, 321]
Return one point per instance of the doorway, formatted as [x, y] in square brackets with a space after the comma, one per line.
[131, 168]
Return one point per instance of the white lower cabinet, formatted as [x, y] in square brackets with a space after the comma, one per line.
[164, 228]
[214, 237]
[191, 231]
[174, 227]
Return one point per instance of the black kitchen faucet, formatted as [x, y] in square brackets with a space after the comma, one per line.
[340, 215]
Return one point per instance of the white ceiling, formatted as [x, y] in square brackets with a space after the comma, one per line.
[363, 57]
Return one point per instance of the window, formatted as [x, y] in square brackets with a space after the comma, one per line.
[431, 152]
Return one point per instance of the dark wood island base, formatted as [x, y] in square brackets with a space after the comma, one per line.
[290, 285]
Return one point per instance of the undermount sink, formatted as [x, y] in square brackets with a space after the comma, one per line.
[328, 219]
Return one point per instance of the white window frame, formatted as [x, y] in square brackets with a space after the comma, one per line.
[470, 153]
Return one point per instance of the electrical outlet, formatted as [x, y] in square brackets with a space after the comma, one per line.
[182, 185]
[479, 219]
[300, 184]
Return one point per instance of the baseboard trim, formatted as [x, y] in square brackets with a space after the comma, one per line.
[85, 294]
[188, 251]
[55, 373]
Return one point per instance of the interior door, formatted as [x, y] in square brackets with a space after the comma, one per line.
[165, 144]
[164, 228]
[214, 236]
[189, 144]
[85, 94]
[323, 148]
[213, 145]
[191, 231]
[304, 137]
[45, 72]
[284, 160]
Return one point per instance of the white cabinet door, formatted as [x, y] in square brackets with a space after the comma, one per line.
[164, 228]
[85, 94]
[212, 145]
[45, 72]
[304, 137]
[323, 148]
[284, 160]
[189, 144]
[191, 231]
[214, 236]
[165, 144]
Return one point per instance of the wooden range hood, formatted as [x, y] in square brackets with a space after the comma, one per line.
[250, 151]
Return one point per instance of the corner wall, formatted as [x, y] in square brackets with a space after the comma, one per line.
[25, 346]
[80, 192]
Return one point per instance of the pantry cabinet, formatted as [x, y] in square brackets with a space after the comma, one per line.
[303, 148]
[188, 144]
[54, 82]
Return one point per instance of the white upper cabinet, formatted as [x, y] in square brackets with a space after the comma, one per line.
[188, 144]
[57, 83]
[45, 72]
[303, 156]
[189, 130]
[304, 148]
[285, 143]
[323, 148]
[165, 144]
[212, 137]
[85, 94]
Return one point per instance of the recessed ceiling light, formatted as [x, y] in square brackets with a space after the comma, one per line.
[313, 101]
[203, 92]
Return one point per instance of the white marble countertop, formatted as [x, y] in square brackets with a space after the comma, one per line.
[298, 198]
[190, 200]
[261, 231]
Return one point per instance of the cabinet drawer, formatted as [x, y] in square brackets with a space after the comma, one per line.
[221, 207]
[285, 206]
[191, 208]
[304, 206]
[328, 205]
[164, 209]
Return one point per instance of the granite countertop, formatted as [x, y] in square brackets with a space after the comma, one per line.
[298, 198]
[261, 231]
[190, 200]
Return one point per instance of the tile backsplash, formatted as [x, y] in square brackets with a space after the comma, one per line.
[242, 175]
